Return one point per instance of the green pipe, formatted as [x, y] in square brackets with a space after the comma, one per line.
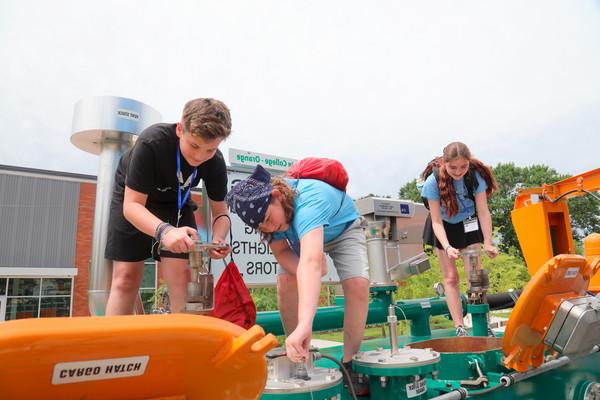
[479, 313]
[417, 311]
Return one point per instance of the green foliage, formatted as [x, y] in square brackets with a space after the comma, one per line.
[265, 299]
[585, 216]
[410, 192]
[505, 272]
[159, 300]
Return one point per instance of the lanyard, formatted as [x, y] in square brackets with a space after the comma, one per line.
[188, 183]
[465, 208]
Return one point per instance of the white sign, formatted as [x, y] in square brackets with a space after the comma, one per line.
[253, 258]
[416, 388]
[251, 159]
[96, 370]
[393, 208]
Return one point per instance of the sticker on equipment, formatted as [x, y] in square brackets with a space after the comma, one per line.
[95, 370]
[416, 388]
[571, 273]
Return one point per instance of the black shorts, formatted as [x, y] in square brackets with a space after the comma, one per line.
[126, 243]
[454, 232]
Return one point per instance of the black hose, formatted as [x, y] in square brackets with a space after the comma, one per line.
[592, 194]
[501, 301]
[345, 372]
[551, 200]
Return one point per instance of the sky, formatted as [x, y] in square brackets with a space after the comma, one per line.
[382, 86]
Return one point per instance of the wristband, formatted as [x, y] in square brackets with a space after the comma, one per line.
[158, 229]
[161, 229]
[446, 249]
[164, 231]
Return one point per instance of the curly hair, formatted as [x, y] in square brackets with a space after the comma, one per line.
[446, 183]
[287, 198]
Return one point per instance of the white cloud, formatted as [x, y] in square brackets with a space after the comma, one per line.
[382, 86]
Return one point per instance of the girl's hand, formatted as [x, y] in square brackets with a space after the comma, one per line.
[490, 250]
[452, 253]
[179, 240]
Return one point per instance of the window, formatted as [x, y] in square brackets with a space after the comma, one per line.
[3, 282]
[24, 287]
[21, 307]
[37, 297]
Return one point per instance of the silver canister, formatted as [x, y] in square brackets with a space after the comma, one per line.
[200, 290]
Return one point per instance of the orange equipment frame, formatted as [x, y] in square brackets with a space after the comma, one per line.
[541, 220]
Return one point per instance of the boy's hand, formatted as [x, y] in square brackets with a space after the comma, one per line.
[179, 240]
[296, 345]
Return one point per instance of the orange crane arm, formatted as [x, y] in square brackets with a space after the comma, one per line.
[574, 186]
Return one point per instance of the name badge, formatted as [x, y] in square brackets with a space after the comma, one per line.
[471, 224]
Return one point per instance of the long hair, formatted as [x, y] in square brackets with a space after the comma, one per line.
[446, 183]
[287, 198]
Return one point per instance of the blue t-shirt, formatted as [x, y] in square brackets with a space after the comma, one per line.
[318, 204]
[466, 206]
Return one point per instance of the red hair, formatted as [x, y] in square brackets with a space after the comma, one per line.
[446, 183]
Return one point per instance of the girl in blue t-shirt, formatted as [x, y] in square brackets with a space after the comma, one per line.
[456, 187]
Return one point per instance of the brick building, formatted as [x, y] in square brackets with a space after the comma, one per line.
[46, 221]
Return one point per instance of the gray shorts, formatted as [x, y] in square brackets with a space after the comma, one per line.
[348, 252]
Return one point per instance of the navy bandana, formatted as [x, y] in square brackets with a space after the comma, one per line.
[250, 197]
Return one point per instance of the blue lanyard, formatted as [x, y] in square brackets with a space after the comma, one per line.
[463, 195]
[180, 203]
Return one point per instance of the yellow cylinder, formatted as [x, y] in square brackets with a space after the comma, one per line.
[591, 250]
[591, 246]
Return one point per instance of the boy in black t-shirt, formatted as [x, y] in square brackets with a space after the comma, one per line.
[151, 204]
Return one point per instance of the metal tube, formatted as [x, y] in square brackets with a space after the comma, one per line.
[456, 394]
[511, 379]
[392, 321]
[99, 278]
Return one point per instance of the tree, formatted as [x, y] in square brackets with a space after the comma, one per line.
[410, 192]
[585, 217]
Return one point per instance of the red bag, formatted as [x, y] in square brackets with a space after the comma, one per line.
[233, 302]
[324, 169]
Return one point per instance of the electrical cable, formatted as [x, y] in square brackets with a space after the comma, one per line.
[344, 371]
[338, 362]
[594, 195]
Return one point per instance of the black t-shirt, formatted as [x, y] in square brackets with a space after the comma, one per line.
[150, 167]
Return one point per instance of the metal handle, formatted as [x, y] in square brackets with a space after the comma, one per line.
[203, 246]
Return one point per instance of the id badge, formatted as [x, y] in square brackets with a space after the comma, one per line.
[471, 224]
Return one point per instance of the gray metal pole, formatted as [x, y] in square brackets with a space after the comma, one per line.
[106, 126]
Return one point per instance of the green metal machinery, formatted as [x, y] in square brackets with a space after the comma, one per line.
[548, 351]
